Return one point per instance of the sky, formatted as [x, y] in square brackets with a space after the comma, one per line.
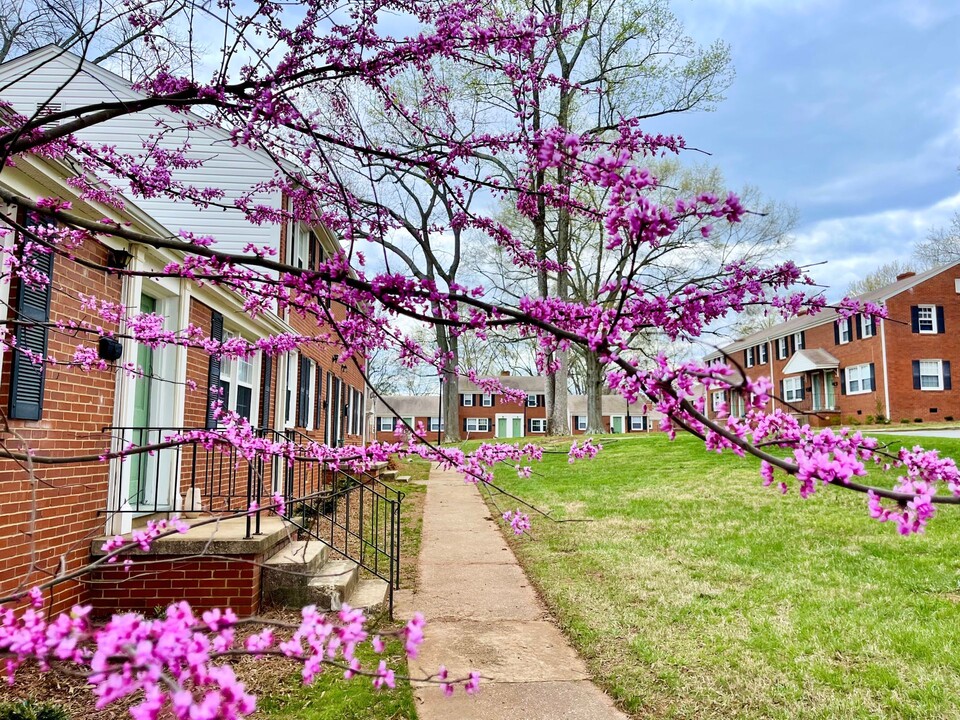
[848, 110]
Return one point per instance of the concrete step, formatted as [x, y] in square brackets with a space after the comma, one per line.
[372, 595]
[333, 584]
[388, 476]
[402, 479]
[287, 574]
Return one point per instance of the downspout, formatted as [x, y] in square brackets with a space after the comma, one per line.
[883, 359]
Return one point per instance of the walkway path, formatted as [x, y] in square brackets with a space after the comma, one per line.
[483, 615]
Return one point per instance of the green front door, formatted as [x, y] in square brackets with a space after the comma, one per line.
[501, 427]
[517, 427]
[616, 424]
[143, 387]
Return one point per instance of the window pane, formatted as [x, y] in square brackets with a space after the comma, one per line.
[244, 398]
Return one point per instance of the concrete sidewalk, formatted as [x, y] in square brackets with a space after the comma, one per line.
[483, 615]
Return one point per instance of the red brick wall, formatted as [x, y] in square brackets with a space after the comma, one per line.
[203, 582]
[500, 407]
[77, 407]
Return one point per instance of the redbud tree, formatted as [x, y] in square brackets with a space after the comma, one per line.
[284, 84]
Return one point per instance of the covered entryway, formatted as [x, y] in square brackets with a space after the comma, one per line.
[509, 426]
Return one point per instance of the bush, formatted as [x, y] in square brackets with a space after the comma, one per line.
[32, 710]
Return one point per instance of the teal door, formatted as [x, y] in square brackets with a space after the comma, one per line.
[501, 427]
[517, 427]
[616, 424]
[143, 390]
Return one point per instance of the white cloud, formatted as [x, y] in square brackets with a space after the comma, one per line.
[854, 246]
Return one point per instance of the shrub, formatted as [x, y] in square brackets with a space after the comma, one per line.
[32, 710]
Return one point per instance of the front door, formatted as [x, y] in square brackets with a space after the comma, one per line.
[616, 424]
[517, 427]
[501, 427]
[817, 392]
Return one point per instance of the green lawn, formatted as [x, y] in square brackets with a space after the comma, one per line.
[694, 592]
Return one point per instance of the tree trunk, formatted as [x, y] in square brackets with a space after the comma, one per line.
[595, 386]
[450, 389]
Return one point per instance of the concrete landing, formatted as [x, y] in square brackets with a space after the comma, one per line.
[483, 615]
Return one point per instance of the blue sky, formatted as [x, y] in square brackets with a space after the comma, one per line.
[847, 109]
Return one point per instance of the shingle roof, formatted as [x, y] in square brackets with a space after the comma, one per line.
[527, 383]
[408, 405]
[609, 405]
[804, 322]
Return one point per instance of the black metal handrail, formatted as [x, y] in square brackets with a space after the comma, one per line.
[355, 513]
[357, 521]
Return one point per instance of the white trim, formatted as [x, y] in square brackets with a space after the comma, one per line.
[793, 389]
[860, 378]
[509, 417]
[463, 400]
[542, 422]
[933, 320]
[939, 375]
[486, 400]
[623, 426]
[883, 359]
[477, 420]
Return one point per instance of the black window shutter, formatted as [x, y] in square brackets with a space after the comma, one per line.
[915, 318]
[461, 400]
[947, 382]
[859, 320]
[940, 328]
[477, 400]
[801, 390]
[213, 373]
[266, 392]
[493, 399]
[464, 424]
[916, 374]
[783, 392]
[803, 339]
[303, 392]
[28, 378]
[836, 333]
[873, 377]
[843, 382]
[850, 327]
[318, 403]
[311, 252]
[541, 400]
[793, 344]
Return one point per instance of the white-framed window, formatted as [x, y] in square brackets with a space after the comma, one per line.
[858, 379]
[311, 394]
[300, 246]
[867, 326]
[467, 399]
[436, 424]
[236, 380]
[385, 423]
[782, 348]
[927, 318]
[749, 357]
[762, 352]
[581, 422]
[717, 398]
[637, 421]
[290, 390]
[478, 424]
[798, 340]
[486, 400]
[538, 425]
[793, 389]
[846, 331]
[531, 401]
[931, 375]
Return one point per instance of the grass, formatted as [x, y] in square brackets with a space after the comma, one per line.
[694, 592]
[330, 697]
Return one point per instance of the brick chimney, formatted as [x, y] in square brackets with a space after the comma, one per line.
[504, 373]
[904, 276]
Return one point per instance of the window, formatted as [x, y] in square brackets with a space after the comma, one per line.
[717, 399]
[436, 424]
[845, 331]
[793, 389]
[638, 422]
[236, 380]
[538, 425]
[531, 401]
[926, 319]
[868, 326]
[311, 395]
[859, 379]
[931, 375]
[749, 357]
[289, 398]
[798, 340]
[763, 354]
[466, 399]
[478, 424]
[781, 348]
[486, 400]
[581, 422]
[385, 424]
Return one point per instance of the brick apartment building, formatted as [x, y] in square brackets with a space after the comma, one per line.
[858, 370]
[62, 411]
[484, 416]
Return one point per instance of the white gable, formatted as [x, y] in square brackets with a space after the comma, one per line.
[36, 77]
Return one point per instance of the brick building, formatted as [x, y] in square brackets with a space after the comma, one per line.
[61, 411]
[483, 416]
[858, 370]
